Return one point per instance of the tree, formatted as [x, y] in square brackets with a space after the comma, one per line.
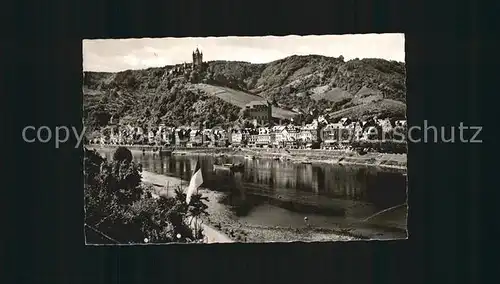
[193, 77]
[248, 124]
[181, 209]
[117, 204]
[122, 154]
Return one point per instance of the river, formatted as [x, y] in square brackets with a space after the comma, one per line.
[281, 193]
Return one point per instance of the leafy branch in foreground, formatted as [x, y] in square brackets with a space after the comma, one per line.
[119, 206]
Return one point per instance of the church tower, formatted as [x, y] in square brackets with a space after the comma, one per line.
[197, 59]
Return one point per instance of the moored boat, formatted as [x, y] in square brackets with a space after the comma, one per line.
[165, 152]
[229, 167]
[221, 167]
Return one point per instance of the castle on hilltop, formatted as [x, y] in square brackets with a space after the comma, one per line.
[186, 68]
[197, 59]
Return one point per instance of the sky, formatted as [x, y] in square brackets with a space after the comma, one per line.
[112, 55]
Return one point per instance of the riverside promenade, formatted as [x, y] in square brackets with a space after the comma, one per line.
[314, 156]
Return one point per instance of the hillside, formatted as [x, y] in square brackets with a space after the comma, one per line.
[333, 95]
[240, 99]
[383, 108]
[296, 84]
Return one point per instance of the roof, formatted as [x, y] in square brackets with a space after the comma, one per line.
[309, 127]
[257, 103]
[334, 125]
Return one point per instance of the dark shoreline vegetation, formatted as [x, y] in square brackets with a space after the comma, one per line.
[119, 209]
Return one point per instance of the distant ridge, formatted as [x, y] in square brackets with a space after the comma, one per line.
[295, 84]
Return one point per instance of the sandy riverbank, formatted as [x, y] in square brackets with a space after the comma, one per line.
[222, 226]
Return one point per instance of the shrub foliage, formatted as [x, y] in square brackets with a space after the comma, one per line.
[122, 209]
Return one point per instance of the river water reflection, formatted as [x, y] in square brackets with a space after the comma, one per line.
[274, 188]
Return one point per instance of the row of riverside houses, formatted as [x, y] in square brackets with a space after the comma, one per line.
[318, 134]
[163, 135]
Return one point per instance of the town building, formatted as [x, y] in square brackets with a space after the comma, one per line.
[347, 132]
[181, 137]
[208, 139]
[401, 127]
[358, 130]
[117, 136]
[401, 123]
[252, 142]
[261, 111]
[369, 123]
[151, 136]
[122, 135]
[168, 135]
[372, 130]
[345, 121]
[331, 135]
[277, 134]
[386, 127]
[195, 138]
[245, 136]
[237, 137]
[161, 133]
[290, 136]
[335, 135]
[253, 135]
[113, 137]
[220, 136]
[310, 133]
[264, 137]
[242, 136]
[370, 133]
[322, 120]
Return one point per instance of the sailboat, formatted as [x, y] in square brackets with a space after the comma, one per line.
[229, 167]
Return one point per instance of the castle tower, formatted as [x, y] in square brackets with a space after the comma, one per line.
[197, 59]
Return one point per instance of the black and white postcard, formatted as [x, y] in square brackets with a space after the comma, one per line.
[245, 139]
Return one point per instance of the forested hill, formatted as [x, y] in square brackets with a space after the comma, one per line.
[295, 85]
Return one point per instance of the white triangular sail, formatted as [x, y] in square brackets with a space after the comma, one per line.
[195, 182]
